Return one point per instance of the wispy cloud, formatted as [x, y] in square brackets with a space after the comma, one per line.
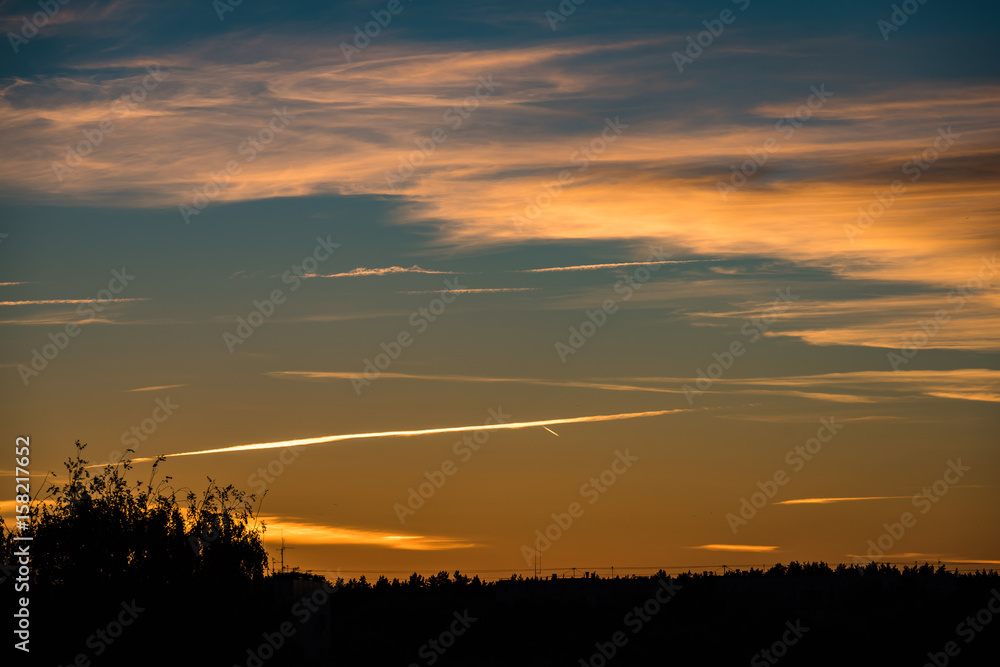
[805, 418]
[42, 302]
[909, 555]
[8, 508]
[578, 384]
[811, 395]
[617, 265]
[861, 387]
[736, 547]
[156, 388]
[669, 167]
[389, 270]
[298, 531]
[485, 290]
[65, 317]
[962, 383]
[362, 271]
[967, 396]
[884, 321]
[827, 501]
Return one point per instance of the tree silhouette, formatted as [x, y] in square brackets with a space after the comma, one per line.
[99, 529]
[101, 541]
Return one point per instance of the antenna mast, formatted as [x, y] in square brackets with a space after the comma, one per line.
[282, 550]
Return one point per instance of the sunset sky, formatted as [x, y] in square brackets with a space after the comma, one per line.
[724, 273]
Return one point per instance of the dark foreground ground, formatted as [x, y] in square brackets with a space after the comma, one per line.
[801, 616]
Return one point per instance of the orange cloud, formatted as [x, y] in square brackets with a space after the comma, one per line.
[483, 290]
[968, 396]
[657, 181]
[608, 386]
[827, 501]
[41, 302]
[157, 387]
[616, 265]
[361, 271]
[964, 383]
[297, 531]
[736, 547]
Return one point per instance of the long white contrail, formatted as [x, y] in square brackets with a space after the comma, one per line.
[428, 431]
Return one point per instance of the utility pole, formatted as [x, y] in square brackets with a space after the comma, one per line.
[282, 550]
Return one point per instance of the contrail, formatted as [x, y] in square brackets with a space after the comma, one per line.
[551, 431]
[397, 434]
